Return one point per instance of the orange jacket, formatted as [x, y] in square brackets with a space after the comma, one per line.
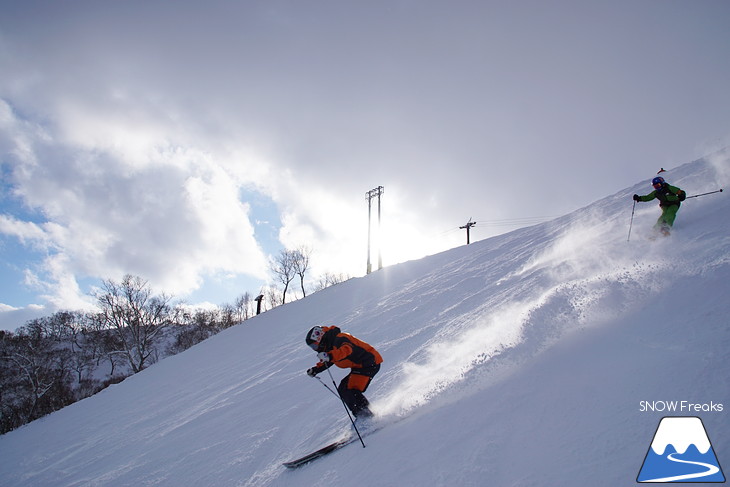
[346, 350]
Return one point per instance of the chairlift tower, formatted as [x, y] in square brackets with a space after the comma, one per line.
[370, 195]
[468, 226]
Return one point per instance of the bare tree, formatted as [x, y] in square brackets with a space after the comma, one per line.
[137, 317]
[283, 267]
[105, 342]
[227, 315]
[329, 279]
[243, 307]
[34, 374]
[300, 258]
[273, 296]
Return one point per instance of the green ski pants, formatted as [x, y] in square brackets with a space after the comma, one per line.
[669, 213]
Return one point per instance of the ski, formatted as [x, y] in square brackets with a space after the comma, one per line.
[330, 448]
[320, 453]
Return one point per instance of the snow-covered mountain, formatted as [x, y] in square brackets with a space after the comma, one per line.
[525, 359]
[689, 430]
[680, 451]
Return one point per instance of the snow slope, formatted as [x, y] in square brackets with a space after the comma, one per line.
[521, 360]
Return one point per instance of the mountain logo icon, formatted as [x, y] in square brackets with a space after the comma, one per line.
[680, 452]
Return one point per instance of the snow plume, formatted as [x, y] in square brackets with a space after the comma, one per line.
[585, 275]
[451, 354]
[709, 173]
[720, 161]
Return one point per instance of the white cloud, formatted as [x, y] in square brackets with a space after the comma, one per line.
[26, 232]
[11, 317]
[169, 214]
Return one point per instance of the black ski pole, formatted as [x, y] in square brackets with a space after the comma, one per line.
[704, 194]
[632, 221]
[346, 410]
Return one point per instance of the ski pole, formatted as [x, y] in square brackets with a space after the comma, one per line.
[704, 194]
[346, 410]
[632, 221]
[328, 387]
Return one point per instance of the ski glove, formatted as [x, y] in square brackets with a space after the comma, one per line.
[636, 197]
[312, 372]
[324, 357]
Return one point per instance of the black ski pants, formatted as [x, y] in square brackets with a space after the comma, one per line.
[351, 388]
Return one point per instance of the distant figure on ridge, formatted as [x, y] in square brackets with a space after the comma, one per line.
[670, 198]
[346, 351]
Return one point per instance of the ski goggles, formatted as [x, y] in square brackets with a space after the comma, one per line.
[316, 337]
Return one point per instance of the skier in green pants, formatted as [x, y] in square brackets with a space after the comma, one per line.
[670, 198]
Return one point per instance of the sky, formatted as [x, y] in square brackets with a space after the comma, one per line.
[189, 145]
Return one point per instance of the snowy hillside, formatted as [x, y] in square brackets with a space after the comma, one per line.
[526, 359]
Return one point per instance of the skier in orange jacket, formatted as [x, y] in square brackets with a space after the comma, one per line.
[346, 351]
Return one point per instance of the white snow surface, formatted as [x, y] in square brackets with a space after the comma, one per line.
[521, 360]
